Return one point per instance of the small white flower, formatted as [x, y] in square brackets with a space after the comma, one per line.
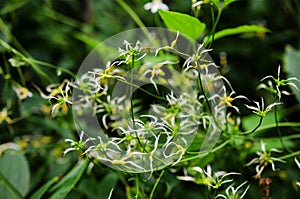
[209, 178]
[79, 145]
[232, 192]
[260, 110]
[22, 92]
[155, 5]
[264, 160]
[278, 84]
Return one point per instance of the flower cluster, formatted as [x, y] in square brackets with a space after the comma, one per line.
[135, 137]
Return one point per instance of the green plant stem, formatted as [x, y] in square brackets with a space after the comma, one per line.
[199, 154]
[137, 186]
[156, 183]
[278, 129]
[138, 87]
[61, 18]
[135, 18]
[24, 58]
[130, 92]
[41, 63]
[282, 124]
[215, 24]
[289, 155]
[253, 130]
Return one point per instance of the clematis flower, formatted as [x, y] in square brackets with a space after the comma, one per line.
[208, 177]
[80, 145]
[155, 5]
[279, 83]
[4, 116]
[22, 92]
[260, 110]
[232, 192]
[264, 160]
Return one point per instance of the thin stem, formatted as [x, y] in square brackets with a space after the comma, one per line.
[135, 18]
[283, 124]
[156, 183]
[143, 90]
[206, 99]
[289, 155]
[24, 58]
[130, 92]
[278, 129]
[127, 189]
[253, 130]
[215, 23]
[137, 186]
[199, 154]
[41, 63]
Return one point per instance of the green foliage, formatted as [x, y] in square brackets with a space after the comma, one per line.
[14, 175]
[240, 30]
[183, 23]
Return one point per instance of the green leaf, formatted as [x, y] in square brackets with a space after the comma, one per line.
[185, 24]
[11, 6]
[227, 2]
[15, 175]
[216, 2]
[67, 183]
[291, 64]
[99, 188]
[239, 30]
[41, 191]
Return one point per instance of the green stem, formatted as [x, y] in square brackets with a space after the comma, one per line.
[130, 92]
[24, 58]
[199, 154]
[289, 155]
[41, 63]
[253, 130]
[135, 18]
[215, 24]
[278, 129]
[137, 186]
[138, 87]
[283, 124]
[156, 183]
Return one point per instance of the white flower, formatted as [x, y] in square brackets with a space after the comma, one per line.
[79, 145]
[232, 192]
[278, 84]
[264, 160]
[209, 178]
[155, 5]
[22, 92]
[261, 110]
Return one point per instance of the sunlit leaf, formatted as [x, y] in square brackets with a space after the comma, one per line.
[239, 30]
[227, 2]
[185, 24]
